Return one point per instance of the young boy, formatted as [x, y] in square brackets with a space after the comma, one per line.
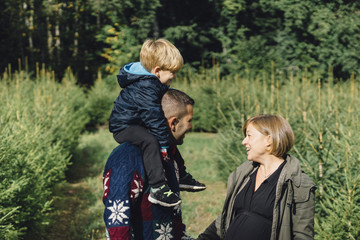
[137, 116]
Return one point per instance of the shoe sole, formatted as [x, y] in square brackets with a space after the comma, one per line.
[190, 187]
[164, 204]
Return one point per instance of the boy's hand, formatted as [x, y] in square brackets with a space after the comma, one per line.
[165, 155]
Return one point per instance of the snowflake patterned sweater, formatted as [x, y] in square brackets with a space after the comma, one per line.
[128, 214]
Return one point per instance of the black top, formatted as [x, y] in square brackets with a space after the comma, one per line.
[254, 210]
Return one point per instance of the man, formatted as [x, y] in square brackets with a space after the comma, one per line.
[128, 213]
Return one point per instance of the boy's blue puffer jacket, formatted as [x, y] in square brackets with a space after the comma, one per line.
[139, 102]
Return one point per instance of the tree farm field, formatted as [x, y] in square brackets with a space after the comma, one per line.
[323, 112]
[324, 115]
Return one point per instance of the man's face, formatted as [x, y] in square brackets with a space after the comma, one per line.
[183, 126]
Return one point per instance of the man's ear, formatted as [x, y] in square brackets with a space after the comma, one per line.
[173, 121]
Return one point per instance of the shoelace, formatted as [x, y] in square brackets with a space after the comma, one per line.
[168, 193]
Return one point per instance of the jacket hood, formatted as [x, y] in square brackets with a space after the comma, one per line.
[295, 173]
[132, 72]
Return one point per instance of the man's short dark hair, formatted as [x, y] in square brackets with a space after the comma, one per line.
[174, 103]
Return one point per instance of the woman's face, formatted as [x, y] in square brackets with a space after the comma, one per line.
[256, 144]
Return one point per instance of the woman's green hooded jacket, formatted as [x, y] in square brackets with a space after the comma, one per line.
[294, 208]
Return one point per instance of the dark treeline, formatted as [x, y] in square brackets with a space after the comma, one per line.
[89, 35]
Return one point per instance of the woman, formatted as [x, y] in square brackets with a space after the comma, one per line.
[268, 197]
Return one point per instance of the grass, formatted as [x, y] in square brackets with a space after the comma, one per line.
[78, 203]
[200, 209]
[78, 206]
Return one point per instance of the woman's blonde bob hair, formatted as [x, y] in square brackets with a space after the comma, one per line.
[160, 53]
[277, 128]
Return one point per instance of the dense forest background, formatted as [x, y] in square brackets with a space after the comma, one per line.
[93, 35]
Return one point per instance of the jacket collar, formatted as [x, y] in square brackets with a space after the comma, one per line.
[292, 170]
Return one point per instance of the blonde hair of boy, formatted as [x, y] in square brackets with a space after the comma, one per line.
[160, 53]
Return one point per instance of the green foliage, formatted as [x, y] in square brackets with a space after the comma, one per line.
[100, 100]
[326, 126]
[124, 48]
[41, 121]
[209, 93]
[293, 34]
[60, 33]
[190, 26]
[130, 23]
[91, 34]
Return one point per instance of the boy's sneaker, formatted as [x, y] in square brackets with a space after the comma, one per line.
[188, 183]
[164, 196]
